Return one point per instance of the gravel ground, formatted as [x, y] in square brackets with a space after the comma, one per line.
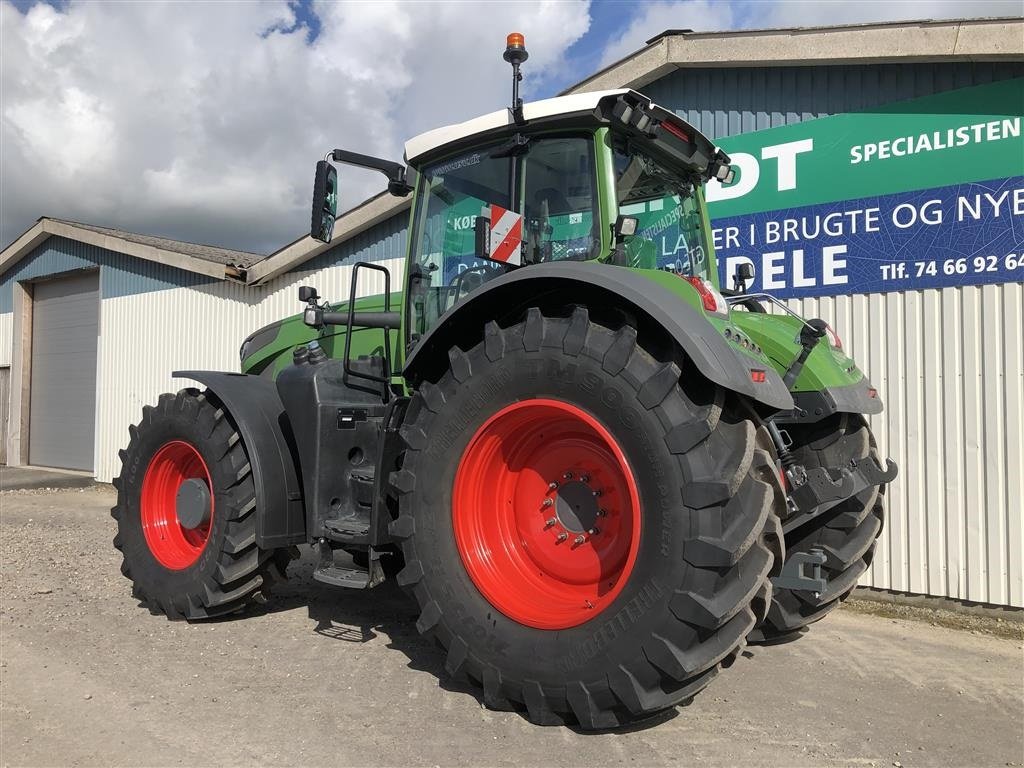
[87, 677]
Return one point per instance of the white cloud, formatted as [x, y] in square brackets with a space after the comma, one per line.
[191, 121]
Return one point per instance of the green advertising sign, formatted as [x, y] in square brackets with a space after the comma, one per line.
[926, 193]
[972, 134]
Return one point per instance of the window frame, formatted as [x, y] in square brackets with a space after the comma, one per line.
[517, 181]
[698, 193]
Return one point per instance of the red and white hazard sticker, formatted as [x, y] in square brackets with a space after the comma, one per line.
[506, 243]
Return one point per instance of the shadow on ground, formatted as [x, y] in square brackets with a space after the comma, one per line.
[355, 616]
[358, 616]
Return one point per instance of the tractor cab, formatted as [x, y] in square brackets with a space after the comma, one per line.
[607, 176]
[562, 191]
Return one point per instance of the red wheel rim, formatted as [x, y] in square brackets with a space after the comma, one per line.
[173, 545]
[546, 514]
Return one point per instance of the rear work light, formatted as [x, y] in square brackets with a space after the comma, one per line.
[712, 300]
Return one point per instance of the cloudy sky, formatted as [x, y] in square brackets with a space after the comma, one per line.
[203, 120]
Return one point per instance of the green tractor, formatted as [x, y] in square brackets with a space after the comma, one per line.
[599, 473]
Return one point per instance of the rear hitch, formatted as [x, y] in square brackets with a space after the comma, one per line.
[818, 490]
[794, 577]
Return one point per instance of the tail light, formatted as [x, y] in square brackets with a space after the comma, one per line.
[833, 337]
[712, 300]
[676, 131]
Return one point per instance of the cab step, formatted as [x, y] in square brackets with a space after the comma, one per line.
[337, 576]
[347, 576]
[347, 530]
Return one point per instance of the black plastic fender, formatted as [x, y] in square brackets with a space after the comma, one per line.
[256, 409]
[813, 406]
[596, 285]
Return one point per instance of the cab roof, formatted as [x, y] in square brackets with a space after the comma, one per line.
[427, 143]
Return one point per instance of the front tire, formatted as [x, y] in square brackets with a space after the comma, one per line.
[600, 631]
[200, 560]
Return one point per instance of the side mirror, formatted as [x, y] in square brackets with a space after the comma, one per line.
[744, 274]
[625, 226]
[325, 202]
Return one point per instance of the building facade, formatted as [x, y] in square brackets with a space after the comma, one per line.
[948, 360]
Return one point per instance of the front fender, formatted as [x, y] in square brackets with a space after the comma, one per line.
[647, 299]
[257, 411]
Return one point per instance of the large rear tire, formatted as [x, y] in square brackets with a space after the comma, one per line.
[847, 533]
[205, 563]
[589, 538]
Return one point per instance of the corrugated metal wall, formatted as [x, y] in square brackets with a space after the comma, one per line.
[948, 363]
[949, 366]
[730, 100]
[6, 337]
[197, 328]
[189, 321]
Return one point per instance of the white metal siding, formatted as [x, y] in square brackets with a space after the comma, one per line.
[6, 337]
[146, 336]
[949, 366]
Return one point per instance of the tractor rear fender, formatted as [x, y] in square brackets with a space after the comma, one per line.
[607, 292]
[829, 382]
[256, 410]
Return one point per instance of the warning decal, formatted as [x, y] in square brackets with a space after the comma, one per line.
[506, 243]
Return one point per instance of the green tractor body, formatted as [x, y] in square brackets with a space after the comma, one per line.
[599, 471]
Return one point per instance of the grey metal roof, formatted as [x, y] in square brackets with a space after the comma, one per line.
[209, 253]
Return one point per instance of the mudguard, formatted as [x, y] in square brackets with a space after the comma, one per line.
[860, 397]
[597, 285]
[256, 410]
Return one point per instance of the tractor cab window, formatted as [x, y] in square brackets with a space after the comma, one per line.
[558, 200]
[551, 217]
[445, 266]
[670, 232]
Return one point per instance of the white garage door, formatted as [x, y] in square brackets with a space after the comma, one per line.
[62, 409]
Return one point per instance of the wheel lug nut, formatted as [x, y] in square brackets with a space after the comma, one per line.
[552, 486]
[594, 531]
[567, 476]
[562, 536]
[549, 522]
[602, 513]
[547, 503]
[598, 493]
[579, 540]
[585, 478]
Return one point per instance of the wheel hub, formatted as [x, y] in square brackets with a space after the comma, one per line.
[176, 505]
[576, 506]
[546, 514]
[192, 503]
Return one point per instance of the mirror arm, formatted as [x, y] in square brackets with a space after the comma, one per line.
[395, 172]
